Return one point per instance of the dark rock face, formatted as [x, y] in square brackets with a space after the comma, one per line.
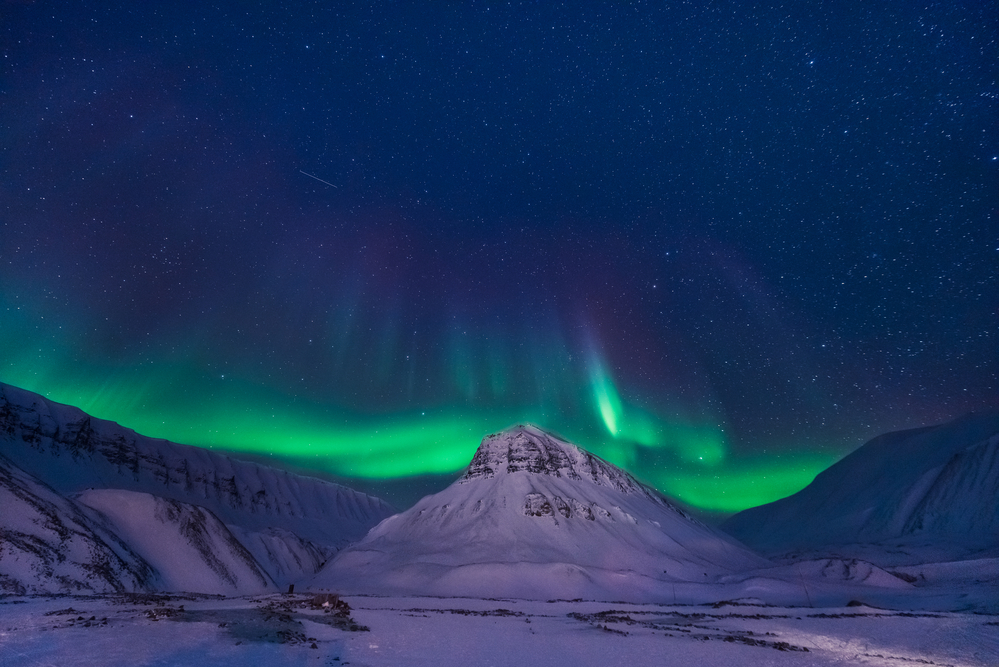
[535, 504]
[526, 448]
[520, 449]
[539, 455]
[529, 449]
[125, 455]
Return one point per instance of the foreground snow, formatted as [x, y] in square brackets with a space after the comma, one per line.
[282, 630]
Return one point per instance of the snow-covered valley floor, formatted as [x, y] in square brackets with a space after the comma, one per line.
[289, 630]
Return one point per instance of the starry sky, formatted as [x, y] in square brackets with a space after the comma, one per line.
[720, 244]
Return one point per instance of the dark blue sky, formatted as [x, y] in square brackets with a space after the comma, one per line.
[756, 233]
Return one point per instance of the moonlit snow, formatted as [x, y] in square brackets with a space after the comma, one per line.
[463, 632]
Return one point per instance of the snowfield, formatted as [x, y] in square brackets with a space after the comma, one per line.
[290, 630]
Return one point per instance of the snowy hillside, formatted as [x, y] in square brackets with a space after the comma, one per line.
[188, 546]
[287, 523]
[537, 517]
[48, 544]
[932, 489]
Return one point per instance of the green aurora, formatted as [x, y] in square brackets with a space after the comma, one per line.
[716, 249]
[685, 458]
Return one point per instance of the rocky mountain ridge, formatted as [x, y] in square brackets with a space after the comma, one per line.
[288, 523]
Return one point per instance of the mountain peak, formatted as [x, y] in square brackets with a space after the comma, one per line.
[527, 448]
[535, 516]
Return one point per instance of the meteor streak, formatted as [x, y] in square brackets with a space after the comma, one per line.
[317, 178]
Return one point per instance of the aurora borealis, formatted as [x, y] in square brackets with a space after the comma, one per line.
[718, 244]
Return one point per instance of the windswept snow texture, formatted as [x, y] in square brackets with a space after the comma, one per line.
[289, 523]
[931, 492]
[49, 544]
[280, 630]
[537, 517]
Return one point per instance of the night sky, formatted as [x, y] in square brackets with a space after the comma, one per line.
[720, 244]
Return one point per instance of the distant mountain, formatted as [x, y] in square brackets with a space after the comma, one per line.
[933, 489]
[535, 516]
[288, 525]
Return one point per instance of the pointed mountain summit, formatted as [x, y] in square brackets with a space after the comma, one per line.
[535, 516]
[530, 449]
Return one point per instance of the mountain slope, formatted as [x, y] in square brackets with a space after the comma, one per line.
[936, 485]
[535, 516]
[49, 544]
[290, 523]
[188, 546]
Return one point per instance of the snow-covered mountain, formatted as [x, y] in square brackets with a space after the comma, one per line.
[933, 489]
[287, 524]
[535, 516]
